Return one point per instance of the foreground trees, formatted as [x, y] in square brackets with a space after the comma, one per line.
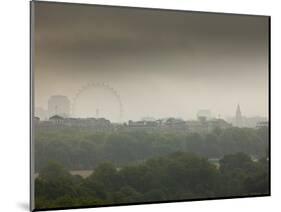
[177, 176]
[78, 149]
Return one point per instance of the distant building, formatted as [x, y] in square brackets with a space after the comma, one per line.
[238, 117]
[95, 124]
[252, 122]
[204, 115]
[262, 124]
[164, 125]
[242, 121]
[207, 126]
[56, 119]
[142, 124]
[59, 105]
[175, 123]
[178, 125]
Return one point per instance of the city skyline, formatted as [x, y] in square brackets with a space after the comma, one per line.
[48, 112]
[194, 60]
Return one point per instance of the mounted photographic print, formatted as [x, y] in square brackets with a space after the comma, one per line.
[139, 106]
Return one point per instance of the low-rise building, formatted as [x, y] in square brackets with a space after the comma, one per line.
[262, 124]
[57, 120]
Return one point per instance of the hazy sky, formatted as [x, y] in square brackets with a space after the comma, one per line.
[161, 63]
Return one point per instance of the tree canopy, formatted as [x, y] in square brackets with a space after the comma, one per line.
[177, 176]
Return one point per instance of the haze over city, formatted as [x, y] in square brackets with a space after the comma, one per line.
[161, 66]
[137, 106]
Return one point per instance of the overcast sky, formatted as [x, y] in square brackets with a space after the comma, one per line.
[161, 63]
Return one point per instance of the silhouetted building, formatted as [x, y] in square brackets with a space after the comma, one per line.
[207, 126]
[175, 123]
[141, 124]
[262, 124]
[56, 119]
[93, 123]
[204, 115]
[250, 122]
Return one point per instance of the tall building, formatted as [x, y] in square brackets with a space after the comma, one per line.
[238, 117]
[59, 105]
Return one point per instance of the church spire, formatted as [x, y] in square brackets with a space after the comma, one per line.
[238, 117]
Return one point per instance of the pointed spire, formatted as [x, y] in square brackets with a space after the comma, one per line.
[238, 116]
[238, 111]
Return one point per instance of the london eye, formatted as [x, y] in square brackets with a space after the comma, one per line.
[98, 100]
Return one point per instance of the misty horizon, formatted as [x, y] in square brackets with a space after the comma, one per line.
[161, 64]
[151, 116]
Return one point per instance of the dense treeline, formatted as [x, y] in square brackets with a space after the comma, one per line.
[83, 149]
[178, 176]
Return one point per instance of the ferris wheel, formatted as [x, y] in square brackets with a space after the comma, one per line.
[92, 87]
